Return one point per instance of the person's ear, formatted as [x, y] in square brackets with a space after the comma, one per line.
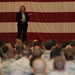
[0, 60]
[53, 66]
[46, 71]
[6, 56]
[30, 57]
[15, 57]
[74, 56]
[32, 70]
[20, 55]
[1, 66]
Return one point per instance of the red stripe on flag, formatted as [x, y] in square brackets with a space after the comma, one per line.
[40, 36]
[36, 0]
[41, 17]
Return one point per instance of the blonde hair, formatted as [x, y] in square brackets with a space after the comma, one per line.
[21, 7]
[8, 45]
[18, 42]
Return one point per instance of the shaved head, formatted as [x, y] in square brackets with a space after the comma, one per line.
[39, 66]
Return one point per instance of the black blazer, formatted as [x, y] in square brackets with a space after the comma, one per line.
[19, 17]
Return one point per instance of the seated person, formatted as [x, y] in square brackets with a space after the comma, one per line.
[36, 54]
[48, 48]
[53, 55]
[22, 66]
[70, 64]
[59, 66]
[8, 61]
[39, 67]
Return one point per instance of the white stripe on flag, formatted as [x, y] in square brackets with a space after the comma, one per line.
[39, 27]
[38, 6]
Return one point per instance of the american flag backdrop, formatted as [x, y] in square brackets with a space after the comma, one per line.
[50, 19]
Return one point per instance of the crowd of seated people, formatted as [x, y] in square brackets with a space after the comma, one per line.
[40, 58]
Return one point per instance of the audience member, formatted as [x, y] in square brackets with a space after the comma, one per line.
[18, 42]
[55, 44]
[19, 49]
[22, 66]
[39, 67]
[4, 51]
[35, 44]
[36, 54]
[63, 45]
[48, 47]
[53, 55]
[59, 66]
[8, 61]
[73, 43]
[9, 46]
[0, 65]
[1, 44]
[47, 58]
[25, 44]
[70, 65]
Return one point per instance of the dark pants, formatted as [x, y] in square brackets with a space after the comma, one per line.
[22, 29]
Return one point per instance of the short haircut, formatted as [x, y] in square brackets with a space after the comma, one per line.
[27, 52]
[48, 45]
[1, 55]
[26, 43]
[39, 66]
[59, 63]
[58, 48]
[1, 43]
[54, 42]
[69, 53]
[64, 44]
[5, 49]
[19, 49]
[73, 43]
[68, 42]
[36, 54]
[54, 53]
[36, 43]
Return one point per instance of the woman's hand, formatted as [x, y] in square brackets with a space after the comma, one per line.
[22, 20]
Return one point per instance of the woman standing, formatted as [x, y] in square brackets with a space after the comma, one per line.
[22, 18]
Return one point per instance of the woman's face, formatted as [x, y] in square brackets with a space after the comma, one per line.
[22, 9]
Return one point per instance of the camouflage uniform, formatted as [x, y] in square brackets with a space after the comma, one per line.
[46, 56]
[5, 65]
[70, 67]
[20, 67]
[59, 73]
[49, 65]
